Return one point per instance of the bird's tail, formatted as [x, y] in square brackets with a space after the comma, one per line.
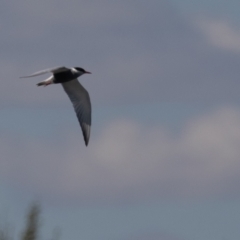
[46, 82]
[41, 83]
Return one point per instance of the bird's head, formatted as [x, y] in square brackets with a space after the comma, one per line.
[80, 71]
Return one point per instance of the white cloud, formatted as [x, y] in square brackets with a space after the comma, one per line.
[221, 34]
[130, 161]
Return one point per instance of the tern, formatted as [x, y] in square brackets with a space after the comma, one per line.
[77, 94]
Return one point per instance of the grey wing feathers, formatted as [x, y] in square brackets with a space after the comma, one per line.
[53, 70]
[82, 105]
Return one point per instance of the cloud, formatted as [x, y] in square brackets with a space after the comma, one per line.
[221, 34]
[129, 161]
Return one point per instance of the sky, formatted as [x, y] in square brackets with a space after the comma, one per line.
[163, 157]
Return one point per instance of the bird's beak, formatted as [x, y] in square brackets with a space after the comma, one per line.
[87, 72]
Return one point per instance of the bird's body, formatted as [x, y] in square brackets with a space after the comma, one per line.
[62, 77]
[75, 91]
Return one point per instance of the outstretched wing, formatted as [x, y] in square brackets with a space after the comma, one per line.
[52, 70]
[82, 105]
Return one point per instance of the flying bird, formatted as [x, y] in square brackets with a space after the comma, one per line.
[77, 94]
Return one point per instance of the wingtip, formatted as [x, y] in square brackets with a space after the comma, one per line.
[86, 141]
[86, 134]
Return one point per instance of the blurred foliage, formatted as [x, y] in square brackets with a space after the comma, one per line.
[32, 223]
[31, 229]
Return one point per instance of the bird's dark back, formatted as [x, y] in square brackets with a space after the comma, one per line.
[65, 76]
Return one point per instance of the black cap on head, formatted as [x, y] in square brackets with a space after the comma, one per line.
[81, 70]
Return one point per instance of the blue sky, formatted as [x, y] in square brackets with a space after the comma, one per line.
[163, 157]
